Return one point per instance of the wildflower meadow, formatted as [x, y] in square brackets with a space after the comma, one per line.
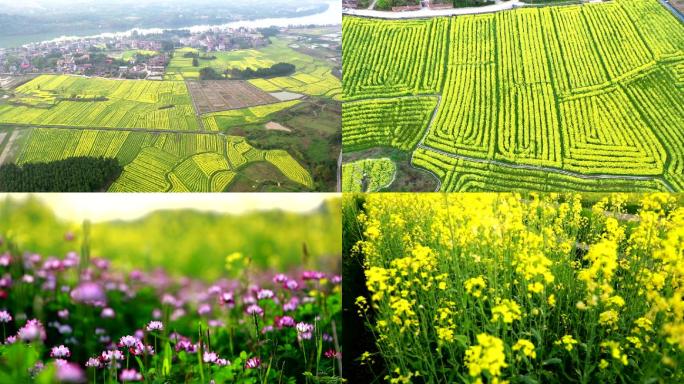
[78, 317]
[509, 288]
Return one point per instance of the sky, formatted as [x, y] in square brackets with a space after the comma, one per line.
[129, 206]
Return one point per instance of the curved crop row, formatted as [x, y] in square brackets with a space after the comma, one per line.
[397, 123]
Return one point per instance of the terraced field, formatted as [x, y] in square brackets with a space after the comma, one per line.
[162, 162]
[579, 97]
[93, 102]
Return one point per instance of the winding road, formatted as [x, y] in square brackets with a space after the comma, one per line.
[427, 12]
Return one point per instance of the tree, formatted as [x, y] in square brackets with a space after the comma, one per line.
[195, 62]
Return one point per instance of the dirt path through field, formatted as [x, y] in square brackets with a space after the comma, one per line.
[8, 148]
[273, 126]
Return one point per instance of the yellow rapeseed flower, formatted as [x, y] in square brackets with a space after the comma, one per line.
[488, 356]
[507, 310]
[526, 347]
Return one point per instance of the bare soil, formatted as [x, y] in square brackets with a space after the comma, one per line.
[223, 95]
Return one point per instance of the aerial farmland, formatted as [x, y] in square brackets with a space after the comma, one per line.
[516, 96]
[175, 119]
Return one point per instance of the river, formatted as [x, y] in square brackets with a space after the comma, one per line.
[332, 15]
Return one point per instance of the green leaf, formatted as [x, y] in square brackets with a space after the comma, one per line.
[552, 361]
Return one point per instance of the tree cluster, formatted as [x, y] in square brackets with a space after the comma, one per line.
[76, 174]
[279, 69]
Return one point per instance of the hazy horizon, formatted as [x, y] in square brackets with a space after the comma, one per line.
[76, 207]
[9, 6]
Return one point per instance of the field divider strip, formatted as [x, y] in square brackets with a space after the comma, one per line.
[147, 130]
[548, 169]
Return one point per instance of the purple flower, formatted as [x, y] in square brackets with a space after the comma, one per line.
[222, 362]
[70, 373]
[292, 285]
[130, 375]
[253, 363]
[313, 275]
[28, 279]
[226, 298]
[33, 330]
[112, 355]
[332, 354]
[65, 329]
[60, 352]
[186, 345]
[5, 260]
[11, 340]
[155, 326]
[209, 357]
[89, 293]
[63, 314]
[291, 305]
[254, 310]
[285, 321]
[94, 362]
[204, 309]
[5, 317]
[215, 323]
[280, 278]
[107, 313]
[337, 279]
[304, 331]
[69, 236]
[128, 341]
[265, 294]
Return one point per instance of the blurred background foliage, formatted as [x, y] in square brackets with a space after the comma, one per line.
[187, 242]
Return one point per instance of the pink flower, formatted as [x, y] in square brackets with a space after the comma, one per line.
[254, 310]
[209, 357]
[155, 326]
[186, 345]
[285, 321]
[292, 285]
[253, 363]
[128, 341]
[89, 293]
[130, 375]
[94, 362]
[60, 352]
[291, 305]
[70, 373]
[226, 298]
[5, 259]
[33, 330]
[63, 314]
[222, 362]
[337, 279]
[280, 278]
[5, 317]
[265, 294]
[107, 313]
[11, 340]
[313, 275]
[332, 354]
[112, 355]
[304, 331]
[204, 309]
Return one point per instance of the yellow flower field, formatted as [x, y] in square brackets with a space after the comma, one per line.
[510, 288]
